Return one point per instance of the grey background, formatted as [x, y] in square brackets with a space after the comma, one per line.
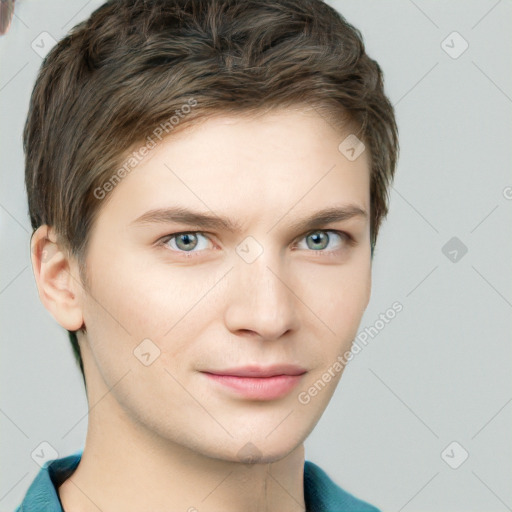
[439, 372]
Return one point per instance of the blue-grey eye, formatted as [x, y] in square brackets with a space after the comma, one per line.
[319, 240]
[186, 241]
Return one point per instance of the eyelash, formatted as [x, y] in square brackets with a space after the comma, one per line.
[349, 239]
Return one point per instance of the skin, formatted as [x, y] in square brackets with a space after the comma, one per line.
[164, 436]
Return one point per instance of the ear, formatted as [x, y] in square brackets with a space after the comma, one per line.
[57, 278]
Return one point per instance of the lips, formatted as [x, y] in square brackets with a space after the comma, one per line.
[256, 382]
[260, 371]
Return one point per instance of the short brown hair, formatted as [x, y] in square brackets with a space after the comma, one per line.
[133, 64]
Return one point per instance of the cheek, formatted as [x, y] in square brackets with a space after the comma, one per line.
[167, 305]
[338, 295]
[349, 303]
[339, 299]
[143, 297]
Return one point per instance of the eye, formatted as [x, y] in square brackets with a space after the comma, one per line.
[190, 243]
[186, 242]
[319, 240]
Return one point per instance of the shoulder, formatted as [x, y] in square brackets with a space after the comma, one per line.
[321, 494]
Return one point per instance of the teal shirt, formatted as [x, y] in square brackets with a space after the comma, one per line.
[321, 494]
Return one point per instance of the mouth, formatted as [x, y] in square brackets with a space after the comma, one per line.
[258, 383]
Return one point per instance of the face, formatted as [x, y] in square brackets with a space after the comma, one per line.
[259, 289]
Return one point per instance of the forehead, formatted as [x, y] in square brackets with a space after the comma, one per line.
[261, 165]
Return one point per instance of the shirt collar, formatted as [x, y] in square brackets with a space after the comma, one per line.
[42, 494]
[321, 494]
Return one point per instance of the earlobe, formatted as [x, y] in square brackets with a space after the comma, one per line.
[58, 283]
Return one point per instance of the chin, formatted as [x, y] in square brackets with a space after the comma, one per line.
[257, 449]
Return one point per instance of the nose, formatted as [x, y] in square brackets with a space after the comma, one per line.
[261, 299]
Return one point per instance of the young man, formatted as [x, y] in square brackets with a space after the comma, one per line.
[206, 180]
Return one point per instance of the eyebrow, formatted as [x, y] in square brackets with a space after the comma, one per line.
[202, 220]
